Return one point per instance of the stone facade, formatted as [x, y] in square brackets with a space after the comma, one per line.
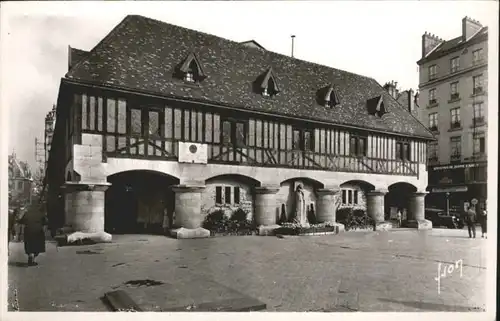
[263, 190]
[361, 190]
[228, 205]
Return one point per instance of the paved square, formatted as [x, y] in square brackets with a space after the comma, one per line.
[353, 271]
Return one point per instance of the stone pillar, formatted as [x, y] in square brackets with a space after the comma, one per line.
[188, 216]
[326, 211]
[265, 209]
[84, 206]
[417, 212]
[375, 209]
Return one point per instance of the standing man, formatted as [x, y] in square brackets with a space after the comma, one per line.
[482, 221]
[470, 220]
[399, 217]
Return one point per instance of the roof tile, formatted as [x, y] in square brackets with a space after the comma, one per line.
[141, 54]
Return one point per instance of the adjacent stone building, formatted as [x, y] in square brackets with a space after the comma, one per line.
[454, 105]
[20, 182]
[50, 121]
[159, 124]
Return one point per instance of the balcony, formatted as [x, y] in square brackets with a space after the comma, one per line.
[454, 97]
[455, 126]
[166, 150]
[478, 121]
[434, 129]
[432, 103]
[479, 61]
[477, 91]
[456, 157]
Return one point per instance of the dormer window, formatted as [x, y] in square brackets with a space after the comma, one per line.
[191, 70]
[376, 106]
[266, 84]
[331, 98]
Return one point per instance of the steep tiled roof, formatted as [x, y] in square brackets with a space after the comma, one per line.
[453, 44]
[75, 56]
[141, 54]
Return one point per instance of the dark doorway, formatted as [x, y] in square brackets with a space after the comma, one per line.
[398, 198]
[139, 202]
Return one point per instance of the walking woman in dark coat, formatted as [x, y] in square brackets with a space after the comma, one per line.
[34, 234]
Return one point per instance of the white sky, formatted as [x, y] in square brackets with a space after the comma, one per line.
[377, 39]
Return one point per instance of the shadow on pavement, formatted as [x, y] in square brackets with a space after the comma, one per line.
[19, 264]
[434, 306]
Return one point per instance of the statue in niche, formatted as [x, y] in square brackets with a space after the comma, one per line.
[300, 207]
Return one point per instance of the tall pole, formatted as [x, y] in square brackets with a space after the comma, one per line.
[293, 38]
[447, 203]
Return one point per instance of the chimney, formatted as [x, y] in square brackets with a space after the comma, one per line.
[411, 100]
[293, 38]
[469, 28]
[391, 88]
[429, 42]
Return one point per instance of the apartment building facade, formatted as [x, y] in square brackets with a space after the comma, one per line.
[453, 99]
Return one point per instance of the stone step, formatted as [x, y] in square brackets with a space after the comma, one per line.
[119, 300]
[245, 304]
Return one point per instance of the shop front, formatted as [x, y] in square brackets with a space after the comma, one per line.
[452, 186]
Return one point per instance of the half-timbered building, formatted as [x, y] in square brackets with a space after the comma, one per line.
[159, 124]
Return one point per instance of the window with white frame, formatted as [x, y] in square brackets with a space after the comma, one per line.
[478, 84]
[350, 197]
[433, 121]
[479, 146]
[456, 146]
[432, 96]
[454, 64]
[225, 198]
[432, 72]
[477, 56]
[432, 151]
[478, 110]
[455, 117]
[454, 90]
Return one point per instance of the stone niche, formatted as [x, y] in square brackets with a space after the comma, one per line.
[286, 196]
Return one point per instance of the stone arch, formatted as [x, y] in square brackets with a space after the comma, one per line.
[398, 197]
[229, 192]
[353, 196]
[308, 180]
[250, 180]
[286, 196]
[363, 184]
[139, 201]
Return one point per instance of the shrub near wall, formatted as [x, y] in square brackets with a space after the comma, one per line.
[354, 219]
[218, 223]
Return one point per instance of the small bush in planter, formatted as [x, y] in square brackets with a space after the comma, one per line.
[239, 215]
[216, 222]
[359, 212]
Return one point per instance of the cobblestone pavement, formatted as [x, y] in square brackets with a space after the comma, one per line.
[356, 271]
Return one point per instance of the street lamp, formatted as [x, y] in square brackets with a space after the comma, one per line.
[447, 203]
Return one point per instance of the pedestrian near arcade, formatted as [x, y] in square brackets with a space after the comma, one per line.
[34, 234]
[482, 221]
[470, 220]
[399, 217]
